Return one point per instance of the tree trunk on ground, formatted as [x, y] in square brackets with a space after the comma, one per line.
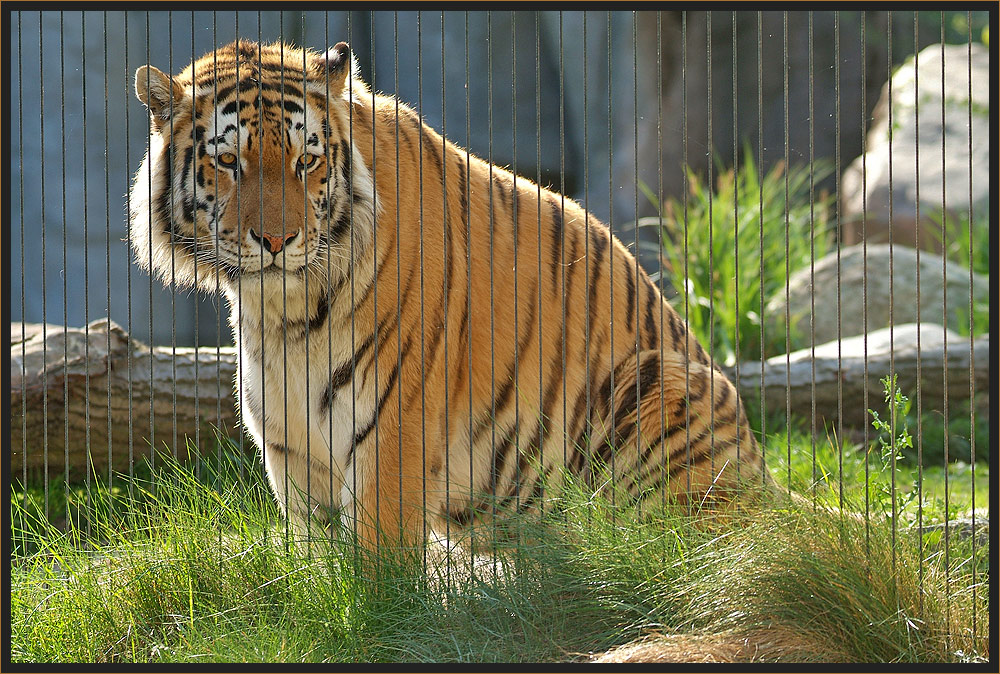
[189, 392]
[840, 382]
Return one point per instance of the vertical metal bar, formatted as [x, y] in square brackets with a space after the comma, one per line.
[149, 238]
[329, 288]
[812, 254]
[107, 250]
[864, 275]
[635, 243]
[588, 463]
[562, 234]
[515, 235]
[760, 233]
[493, 409]
[239, 249]
[326, 225]
[538, 245]
[736, 240]
[423, 355]
[260, 276]
[305, 231]
[173, 252]
[711, 255]
[399, 328]
[916, 219]
[788, 318]
[892, 350]
[218, 293]
[944, 345]
[65, 266]
[86, 268]
[553, 467]
[41, 164]
[468, 276]
[611, 268]
[445, 248]
[128, 266]
[972, 355]
[371, 28]
[218, 325]
[20, 201]
[194, 224]
[354, 354]
[685, 187]
[284, 274]
[836, 172]
[284, 149]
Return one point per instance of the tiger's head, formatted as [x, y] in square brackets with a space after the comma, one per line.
[251, 174]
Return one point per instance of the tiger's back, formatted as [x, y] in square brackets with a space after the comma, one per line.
[467, 334]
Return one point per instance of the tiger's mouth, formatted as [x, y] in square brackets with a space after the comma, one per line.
[272, 269]
[269, 271]
[260, 268]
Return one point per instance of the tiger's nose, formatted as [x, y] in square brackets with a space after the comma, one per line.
[273, 243]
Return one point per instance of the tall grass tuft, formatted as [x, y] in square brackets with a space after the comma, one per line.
[847, 592]
[745, 214]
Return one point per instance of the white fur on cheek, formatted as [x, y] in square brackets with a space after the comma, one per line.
[149, 231]
[138, 232]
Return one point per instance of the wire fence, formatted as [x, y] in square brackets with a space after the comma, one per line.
[402, 254]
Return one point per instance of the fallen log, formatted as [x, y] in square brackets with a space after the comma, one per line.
[114, 398]
[92, 399]
[840, 377]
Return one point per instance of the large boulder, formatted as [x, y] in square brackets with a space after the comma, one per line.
[864, 285]
[917, 126]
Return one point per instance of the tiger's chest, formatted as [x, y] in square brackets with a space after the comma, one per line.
[287, 400]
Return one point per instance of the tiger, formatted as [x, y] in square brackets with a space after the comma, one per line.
[424, 338]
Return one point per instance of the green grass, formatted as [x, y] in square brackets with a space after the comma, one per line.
[909, 476]
[826, 472]
[198, 570]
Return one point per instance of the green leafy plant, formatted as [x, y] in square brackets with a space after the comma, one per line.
[730, 244]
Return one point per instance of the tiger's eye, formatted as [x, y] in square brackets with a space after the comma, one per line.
[307, 161]
[227, 159]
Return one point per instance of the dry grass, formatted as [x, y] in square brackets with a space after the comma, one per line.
[772, 645]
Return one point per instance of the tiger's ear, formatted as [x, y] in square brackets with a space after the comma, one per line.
[340, 62]
[159, 92]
